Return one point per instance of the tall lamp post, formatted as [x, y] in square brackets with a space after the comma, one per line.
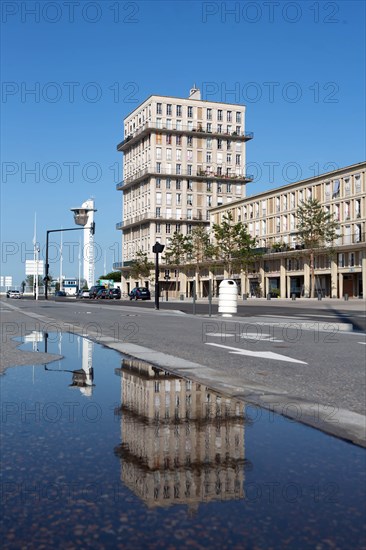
[157, 249]
[47, 266]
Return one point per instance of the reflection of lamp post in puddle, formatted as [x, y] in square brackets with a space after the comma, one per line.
[81, 378]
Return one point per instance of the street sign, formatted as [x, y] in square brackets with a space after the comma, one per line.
[9, 281]
[31, 267]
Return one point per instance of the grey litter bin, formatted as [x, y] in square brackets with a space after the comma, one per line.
[346, 297]
[181, 297]
[268, 296]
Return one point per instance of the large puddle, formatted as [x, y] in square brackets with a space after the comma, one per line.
[99, 453]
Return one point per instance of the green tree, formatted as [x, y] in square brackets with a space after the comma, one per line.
[177, 249]
[199, 247]
[30, 280]
[316, 229]
[176, 252]
[200, 250]
[83, 284]
[112, 276]
[140, 267]
[234, 248]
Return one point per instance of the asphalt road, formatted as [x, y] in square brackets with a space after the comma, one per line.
[299, 360]
[337, 311]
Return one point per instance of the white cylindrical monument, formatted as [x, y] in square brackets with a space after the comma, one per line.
[228, 297]
[84, 215]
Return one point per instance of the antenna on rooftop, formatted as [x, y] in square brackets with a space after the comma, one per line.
[194, 92]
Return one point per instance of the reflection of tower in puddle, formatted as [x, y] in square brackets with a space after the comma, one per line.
[181, 442]
[83, 378]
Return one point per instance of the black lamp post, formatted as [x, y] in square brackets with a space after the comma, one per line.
[157, 249]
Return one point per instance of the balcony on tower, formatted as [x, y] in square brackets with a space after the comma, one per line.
[194, 216]
[200, 175]
[198, 130]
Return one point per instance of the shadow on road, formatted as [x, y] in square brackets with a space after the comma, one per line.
[347, 318]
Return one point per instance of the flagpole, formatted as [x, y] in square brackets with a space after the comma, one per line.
[61, 243]
[35, 248]
[37, 288]
[79, 262]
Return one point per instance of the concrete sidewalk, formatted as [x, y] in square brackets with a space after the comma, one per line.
[352, 303]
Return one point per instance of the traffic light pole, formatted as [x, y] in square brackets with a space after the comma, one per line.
[47, 266]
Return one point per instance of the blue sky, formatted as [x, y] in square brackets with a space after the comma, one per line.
[298, 67]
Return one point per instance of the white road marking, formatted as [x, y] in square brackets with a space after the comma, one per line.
[318, 315]
[283, 317]
[246, 336]
[261, 354]
[363, 343]
[309, 325]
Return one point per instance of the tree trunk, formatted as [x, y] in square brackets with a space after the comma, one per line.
[197, 286]
[312, 275]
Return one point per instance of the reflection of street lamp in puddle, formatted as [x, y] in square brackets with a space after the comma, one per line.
[81, 378]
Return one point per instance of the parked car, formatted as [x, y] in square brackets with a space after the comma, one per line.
[94, 290]
[115, 294]
[103, 293]
[83, 293]
[13, 294]
[140, 293]
[60, 294]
